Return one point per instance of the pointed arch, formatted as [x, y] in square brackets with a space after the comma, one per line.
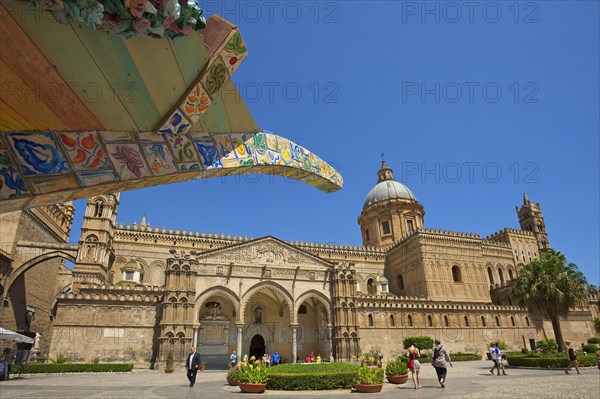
[318, 296]
[219, 291]
[268, 285]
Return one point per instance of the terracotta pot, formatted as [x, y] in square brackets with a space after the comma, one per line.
[202, 368]
[364, 388]
[168, 370]
[397, 379]
[232, 381]
[229, 367]
[252, 388]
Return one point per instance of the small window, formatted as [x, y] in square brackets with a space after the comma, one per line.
[527, 321]
[411, 226]
[370, 287]
[456, 275]
[385, 226]
[367, 237]
[483, 323]
[111, 277]
[497, 322]
[510, 274]
[409, 321]
[490, 275]
[466, 321]
[400, 282]
[501, 275]
[129, 276]
[446, 323]
[370, 317]
[429, 321]
[302, 309]
[512, 321]
[392, 322]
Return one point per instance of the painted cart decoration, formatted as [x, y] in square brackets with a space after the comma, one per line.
[84, 113]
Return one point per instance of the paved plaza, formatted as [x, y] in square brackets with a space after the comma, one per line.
[465, 380]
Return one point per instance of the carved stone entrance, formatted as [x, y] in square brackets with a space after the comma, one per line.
[257, 331]
[257, 346]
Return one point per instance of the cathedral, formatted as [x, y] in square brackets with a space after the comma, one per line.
[138, 292]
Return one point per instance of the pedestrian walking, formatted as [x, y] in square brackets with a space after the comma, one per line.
[496, 358]
[414, 365]
[440, 360]
[192, 364]
[572, 358]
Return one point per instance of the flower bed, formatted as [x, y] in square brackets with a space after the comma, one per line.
[32, 368]
[296, 377]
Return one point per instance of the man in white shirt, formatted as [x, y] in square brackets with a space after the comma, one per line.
[495, 353]
[192, 364]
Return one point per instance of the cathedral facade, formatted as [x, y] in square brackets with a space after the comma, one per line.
[139, 292]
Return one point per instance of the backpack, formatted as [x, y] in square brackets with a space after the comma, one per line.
[436, 352]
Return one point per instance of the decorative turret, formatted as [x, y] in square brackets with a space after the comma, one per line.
[531, 219]
[390, 211]
[96, 252]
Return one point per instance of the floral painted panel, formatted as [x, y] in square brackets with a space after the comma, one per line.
[183, 148]
[215, 77]
[128, 161]
[234, 52]
[12, 184]
[38, 153]
[176, 124]
[196, 103]
[207, 150]
[84, 150]
[159, 158]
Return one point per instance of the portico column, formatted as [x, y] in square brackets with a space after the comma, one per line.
[330, 328]
[239, 342]
[195, 335]
[294, 341]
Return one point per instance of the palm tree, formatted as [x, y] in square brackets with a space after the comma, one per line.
[550, 287]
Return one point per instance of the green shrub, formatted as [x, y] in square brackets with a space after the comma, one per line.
[234, 373]
[295, 377]
[546, 346]
[33, 368]
[558, 360]
[96, 360]
[593, 340]
[597, 323]
[170, 361]
[464, 357]
[396, 367]
[420, 341]
[253, 372]
[369, 375]
[590, 348]
[524, 351]
[60, 359]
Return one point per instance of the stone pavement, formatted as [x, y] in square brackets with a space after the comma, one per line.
[470, 380]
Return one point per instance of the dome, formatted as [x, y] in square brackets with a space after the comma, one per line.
[388, 189]
[381, 279]
[133, 266]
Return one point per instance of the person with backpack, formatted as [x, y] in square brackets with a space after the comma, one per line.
[440, 360]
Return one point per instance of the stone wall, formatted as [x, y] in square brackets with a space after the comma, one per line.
[113, 331]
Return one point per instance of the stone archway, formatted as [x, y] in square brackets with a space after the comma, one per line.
[257, 347]
[251, 331]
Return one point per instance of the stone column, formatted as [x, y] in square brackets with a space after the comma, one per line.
[294, 342]
[239, 342]
[330, 329]
[195, 335]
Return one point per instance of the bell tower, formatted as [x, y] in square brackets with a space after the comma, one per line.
[532, 219]
[96, 252]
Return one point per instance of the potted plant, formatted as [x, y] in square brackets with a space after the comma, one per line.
[170, 362]
[202, 366]
[396, 371]
[369, 379]
[233, 376]
[252, 376]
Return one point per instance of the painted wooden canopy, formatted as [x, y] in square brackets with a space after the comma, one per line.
[84, 113]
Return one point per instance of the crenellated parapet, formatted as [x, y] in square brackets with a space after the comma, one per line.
[500, 235]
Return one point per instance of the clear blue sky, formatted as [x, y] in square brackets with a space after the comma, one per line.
[472, 107]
